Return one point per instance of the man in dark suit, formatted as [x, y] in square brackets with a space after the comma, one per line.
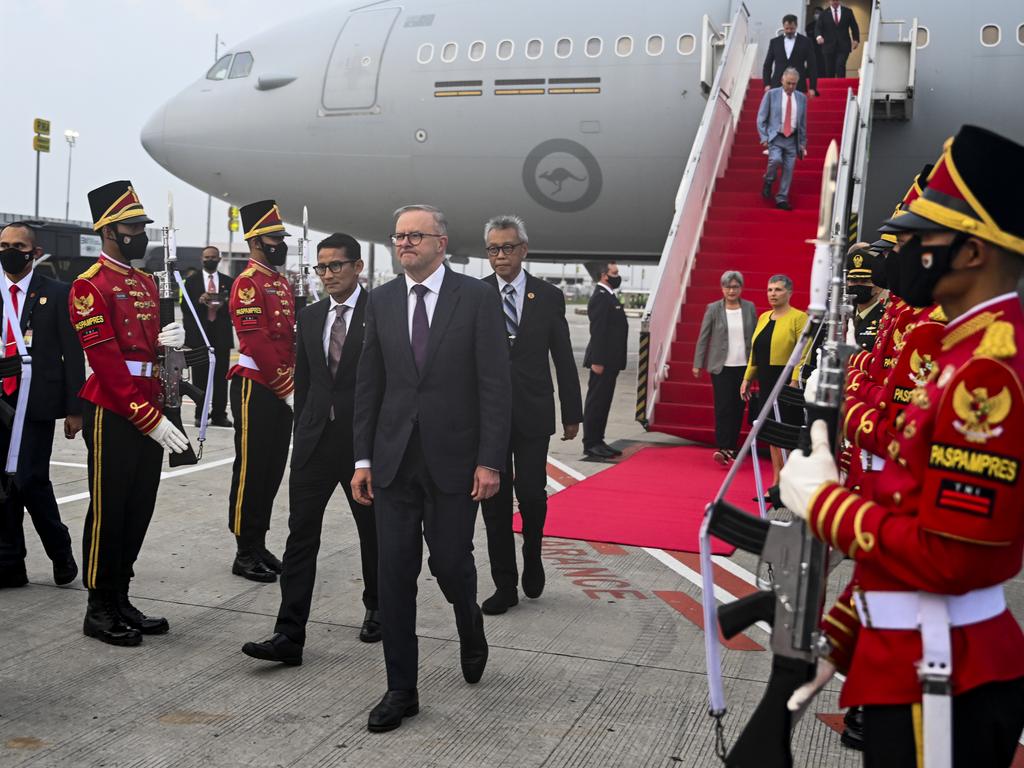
[605, 357]
[790, 50]
[536, 327]
[329, 342]
[432, 418]
[838, 35]
[58, 372]
[209, 291]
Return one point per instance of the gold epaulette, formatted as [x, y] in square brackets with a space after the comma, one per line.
[248, 272]
[998, 341]
[938, 315]
[90, 272]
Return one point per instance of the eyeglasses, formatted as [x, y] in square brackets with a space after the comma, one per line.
[507, 248]
[334, 266]
[413, 238]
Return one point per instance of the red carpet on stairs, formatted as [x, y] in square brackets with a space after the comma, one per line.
[655, 498]
[745, 232]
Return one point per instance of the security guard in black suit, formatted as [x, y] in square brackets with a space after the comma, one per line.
[58, 367]
[535, 322]
[330, 340]
[605, 357]
[209, 291]
[863, 271]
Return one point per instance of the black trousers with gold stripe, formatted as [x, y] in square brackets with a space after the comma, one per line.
[263, 429]
[124, 475]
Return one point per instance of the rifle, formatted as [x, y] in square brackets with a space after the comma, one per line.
[796, 563]
[172, 361]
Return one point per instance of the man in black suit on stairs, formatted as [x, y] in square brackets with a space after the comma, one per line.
[329, 342]
[791, 49]
[605, 357]
[431, 427]
[838, 35]
[536, 326]
[209, 291]
[58, 372]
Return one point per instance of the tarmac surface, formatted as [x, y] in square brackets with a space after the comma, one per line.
[576, 678]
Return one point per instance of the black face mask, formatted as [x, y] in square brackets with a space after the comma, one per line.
[210, 265]
[921, 268]
[276, 254]
[614, 281]
[133, 247]
[861, 294]
[891, 274]
[13, 260]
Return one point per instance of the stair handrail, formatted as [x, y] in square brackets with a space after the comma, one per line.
[865, 87]
[711, 148]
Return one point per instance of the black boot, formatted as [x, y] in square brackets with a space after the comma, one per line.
[136, 619]
[249, 565]
[853, 732]
[103, 621]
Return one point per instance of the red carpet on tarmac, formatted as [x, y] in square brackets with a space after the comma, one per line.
[655, 498]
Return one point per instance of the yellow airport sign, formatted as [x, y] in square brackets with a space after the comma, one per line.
[41, 143]
[233, 218]
[42, 127]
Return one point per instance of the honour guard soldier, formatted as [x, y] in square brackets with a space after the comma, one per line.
[263, 314]
[941, 530]
[869, 304]
[114, 312]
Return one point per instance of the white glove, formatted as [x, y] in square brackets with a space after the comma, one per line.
[172, 335]
[803, 475]
[169, 436]
[803, 695]
[811, 388]
[290, 400]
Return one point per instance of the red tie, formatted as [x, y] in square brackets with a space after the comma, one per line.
[211, 312]
[835, 15]
[787, 128]
[11, 382]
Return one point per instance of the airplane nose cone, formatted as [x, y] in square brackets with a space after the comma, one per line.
[152, 136]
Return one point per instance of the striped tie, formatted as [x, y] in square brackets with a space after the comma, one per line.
[511, 315]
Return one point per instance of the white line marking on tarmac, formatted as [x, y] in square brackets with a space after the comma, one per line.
[163, 476]
[565, 468]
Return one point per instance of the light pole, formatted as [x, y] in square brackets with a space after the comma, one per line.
[70, 135]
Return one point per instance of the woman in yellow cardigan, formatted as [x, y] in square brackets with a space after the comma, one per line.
[775, 336]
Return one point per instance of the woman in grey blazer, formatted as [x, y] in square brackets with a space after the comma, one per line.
[723, 348]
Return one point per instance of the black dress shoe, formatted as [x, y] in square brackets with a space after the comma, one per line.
[473, 652]
[269, 559]
[853, 732]
[500, 601]
[13, 577]
[65, 569]
[136, 619]
[783, 205]
[395, 705]
[370, 631]
[598, 452]
[766, 190]
[221, 421]
[250, 566]
[103, 621]
[533, 575]
[613, 451]
[278, 648]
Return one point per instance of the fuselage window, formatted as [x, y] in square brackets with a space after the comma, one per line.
[686, 45]
[477, 50]
[425, 53]
[624, 46]
[449, 52]
[655, 45]
[505, 50]
[594, 46]
[220, 70]
[922, 37]
[990, 34]
[534, 49]
[241, 66]
[563, 48]
[1020, 34]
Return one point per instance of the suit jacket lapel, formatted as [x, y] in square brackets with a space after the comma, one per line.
[34, 287]
[528, 309]
[447, 300]
[354, 337]
[400, 314]
[314, 336]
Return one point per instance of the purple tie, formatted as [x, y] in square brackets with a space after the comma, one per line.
[420, 327]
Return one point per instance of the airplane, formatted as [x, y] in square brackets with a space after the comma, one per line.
[578, 115]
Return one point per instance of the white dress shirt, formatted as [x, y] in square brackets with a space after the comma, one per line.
[519, 283]
[206, 282]
[788, 43]
[22, 295]
[332, 313]
[433, 283]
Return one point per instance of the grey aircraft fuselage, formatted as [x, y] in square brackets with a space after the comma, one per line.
[578, 114]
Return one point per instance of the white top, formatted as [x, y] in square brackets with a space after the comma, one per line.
[519, 283]
[433, 283]
[737, 352]
[207, 276]
[332, 313]
[788, 43]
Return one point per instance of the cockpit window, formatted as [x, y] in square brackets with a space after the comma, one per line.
[241, 66]
[220, 70]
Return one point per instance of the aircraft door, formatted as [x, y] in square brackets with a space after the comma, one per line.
[354, 66]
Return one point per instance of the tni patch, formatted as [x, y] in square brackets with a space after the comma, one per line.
[967, 498]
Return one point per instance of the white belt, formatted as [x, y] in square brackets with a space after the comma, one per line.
[932, 615]
[247, 362]
[870, 462]
[139, 368]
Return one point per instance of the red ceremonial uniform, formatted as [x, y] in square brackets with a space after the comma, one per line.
[115, 313]
[263, 312]
[944, 514]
